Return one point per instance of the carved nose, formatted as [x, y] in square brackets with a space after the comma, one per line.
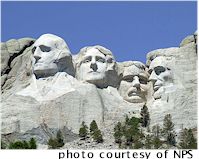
[37, 57]
[37, 54]
[153, 76]
[136, 82]
[93, 66]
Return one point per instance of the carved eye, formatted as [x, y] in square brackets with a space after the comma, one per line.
[100, 59]
[44, 48]
[128, 79]
[109, 60]
[33, 49]
[88, 59]
[159, 69]
[142, 80]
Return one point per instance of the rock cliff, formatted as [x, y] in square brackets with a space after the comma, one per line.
[45, 88]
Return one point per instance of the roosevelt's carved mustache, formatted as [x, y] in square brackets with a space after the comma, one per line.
[133, 91]
[94, 72]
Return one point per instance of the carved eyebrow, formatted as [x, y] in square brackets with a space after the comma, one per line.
[45, 48]
[100, 58]
[127, 77]
[85, 58]
[142, 77]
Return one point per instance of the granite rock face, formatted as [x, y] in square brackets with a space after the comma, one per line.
[179, 97]
[15, 62]
[92, 86]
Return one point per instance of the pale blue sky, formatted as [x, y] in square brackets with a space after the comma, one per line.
[128, 29]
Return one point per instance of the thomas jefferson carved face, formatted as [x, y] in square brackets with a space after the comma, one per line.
[92, 67]
[160, 75]
[133, 86]
[48, 51]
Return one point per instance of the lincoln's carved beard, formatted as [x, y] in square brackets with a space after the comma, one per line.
[93, 67]
[133, 87]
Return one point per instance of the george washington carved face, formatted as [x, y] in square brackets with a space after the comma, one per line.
[51, 55]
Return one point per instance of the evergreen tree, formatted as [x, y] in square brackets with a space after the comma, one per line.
[93, 126]
[83, 131]
[148, 142]
[156, 142]
[144, 116]
[32, 144]
[131, 130]
[126, 120]
[53, 143]
[60, 138]
[128, 133]
[187, 139]
[168, 130]
[97, 136]
[137, 144]
[118, 133]
[57, 142]
[17, 145]
[25, 145]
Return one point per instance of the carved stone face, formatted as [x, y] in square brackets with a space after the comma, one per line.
[133, 86]
[47, 51]
[92, 67]
[160, 75]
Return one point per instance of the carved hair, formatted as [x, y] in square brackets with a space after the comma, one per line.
[108, 54]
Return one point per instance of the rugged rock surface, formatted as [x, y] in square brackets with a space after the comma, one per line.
[39, 107]
[180, 98]
[15, 62]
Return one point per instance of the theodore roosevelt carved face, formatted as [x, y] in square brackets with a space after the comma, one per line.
[92, 65]
[133, 86]
[51, 55]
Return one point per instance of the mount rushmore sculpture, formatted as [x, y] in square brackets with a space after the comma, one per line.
[45, 88]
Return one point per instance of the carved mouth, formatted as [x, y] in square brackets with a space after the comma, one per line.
[94, 72]
[134, 93]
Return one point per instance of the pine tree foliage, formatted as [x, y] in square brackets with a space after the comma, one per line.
[148, 142]
[97, 136]
[130, 131]
[83, 131]
[23, 144]
[32, 143]
[187, 139]
[57, 142]
[60, 138]
[93, 126]
[168, 130]
[118, 133]
[145, 118]
[156, 142]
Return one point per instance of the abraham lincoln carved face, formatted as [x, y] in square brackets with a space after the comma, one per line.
[160, 75]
